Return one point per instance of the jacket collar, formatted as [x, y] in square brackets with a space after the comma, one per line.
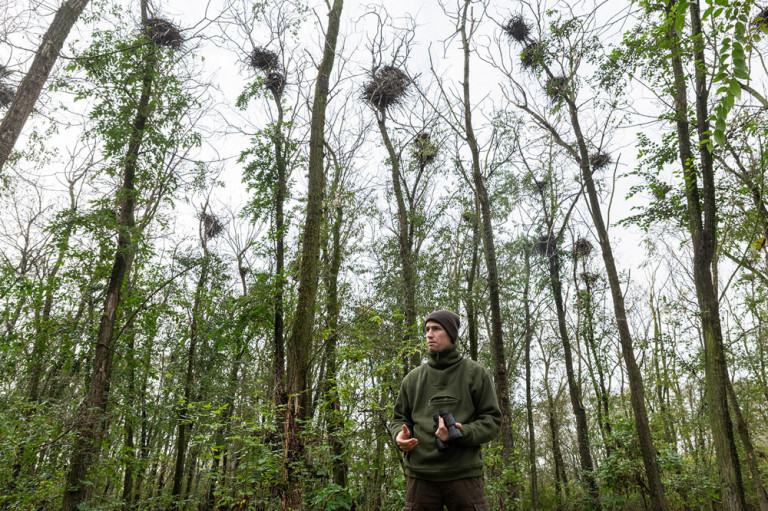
[445, 358]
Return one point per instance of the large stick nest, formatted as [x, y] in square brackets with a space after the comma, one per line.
[517, 28]
[424, 149]
[582, 247]
[599, 161]
[531, 56]
[7, 94]
[212, 226]
[388, 88]
[275, 83]
[264, 59]
[163, 33]
[556, 87]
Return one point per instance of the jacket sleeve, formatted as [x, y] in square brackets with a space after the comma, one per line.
[487, 423]
[402, 412]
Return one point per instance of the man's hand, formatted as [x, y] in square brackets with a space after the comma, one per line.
[442, 431]
[404, 440]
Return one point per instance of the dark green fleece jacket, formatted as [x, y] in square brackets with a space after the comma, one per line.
[464, 388]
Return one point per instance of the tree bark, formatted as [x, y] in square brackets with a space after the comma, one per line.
[481, 193]
[404, 241]
[32, 83]
[704, 240]
[528, 392]
[300, 342]
[637, 390]
[88, 431]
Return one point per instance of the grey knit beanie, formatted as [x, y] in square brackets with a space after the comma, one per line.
[448, 320]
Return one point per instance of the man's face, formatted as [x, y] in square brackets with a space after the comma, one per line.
[437, 338]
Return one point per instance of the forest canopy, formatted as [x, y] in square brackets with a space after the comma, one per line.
[223, 223]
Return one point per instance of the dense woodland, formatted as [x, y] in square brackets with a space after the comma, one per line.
[222, 224]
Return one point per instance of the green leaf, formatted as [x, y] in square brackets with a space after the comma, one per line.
[735, 89]
[719, 137]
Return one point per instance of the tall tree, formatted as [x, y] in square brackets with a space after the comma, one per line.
[702, 224]
[300, 341]
[32, 84]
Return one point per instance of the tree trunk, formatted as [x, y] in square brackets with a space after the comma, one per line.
[704, 240]
[404, 242]
[497, 340]
[334, 251]
[470, 298]
[528, 397]
[300, 342]
[637, 391]
[33, 82]
[582, 430]
[88, 431]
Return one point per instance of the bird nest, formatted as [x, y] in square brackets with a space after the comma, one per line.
[424, 149]
[531, 56]
[263, 59]
[387, 88]
[162, 32]
[275, 83]
[212, 226]
[546, 245]
[582, 247]
[600, 160]
[6, 95]
[517, 28]
[541, 185]
[556, 87]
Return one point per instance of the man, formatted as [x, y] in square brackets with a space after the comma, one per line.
[451, 475]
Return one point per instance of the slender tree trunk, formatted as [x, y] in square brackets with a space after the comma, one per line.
[32, 83]
[130, 456]
[300, 342]
[278, 334]
[528, 392]
[704, 239]
[749, 449]
[334, 251]
[403, 240]
[481, 193]
[88, 431]
[470, 298]
[184, 424]
[582, 430]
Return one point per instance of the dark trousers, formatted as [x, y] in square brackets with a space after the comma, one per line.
[459, 495]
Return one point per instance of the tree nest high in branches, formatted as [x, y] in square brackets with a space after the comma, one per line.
[530, 56]
[263, 59]
[423, 149]
[589, 278]
[275, 83]
[162, 32]
[556, 87]
[388, 88]
[211, 225]
[599, 161]
[517, 28]
[582, 247]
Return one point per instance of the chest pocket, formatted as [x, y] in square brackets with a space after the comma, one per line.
[446, 401]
